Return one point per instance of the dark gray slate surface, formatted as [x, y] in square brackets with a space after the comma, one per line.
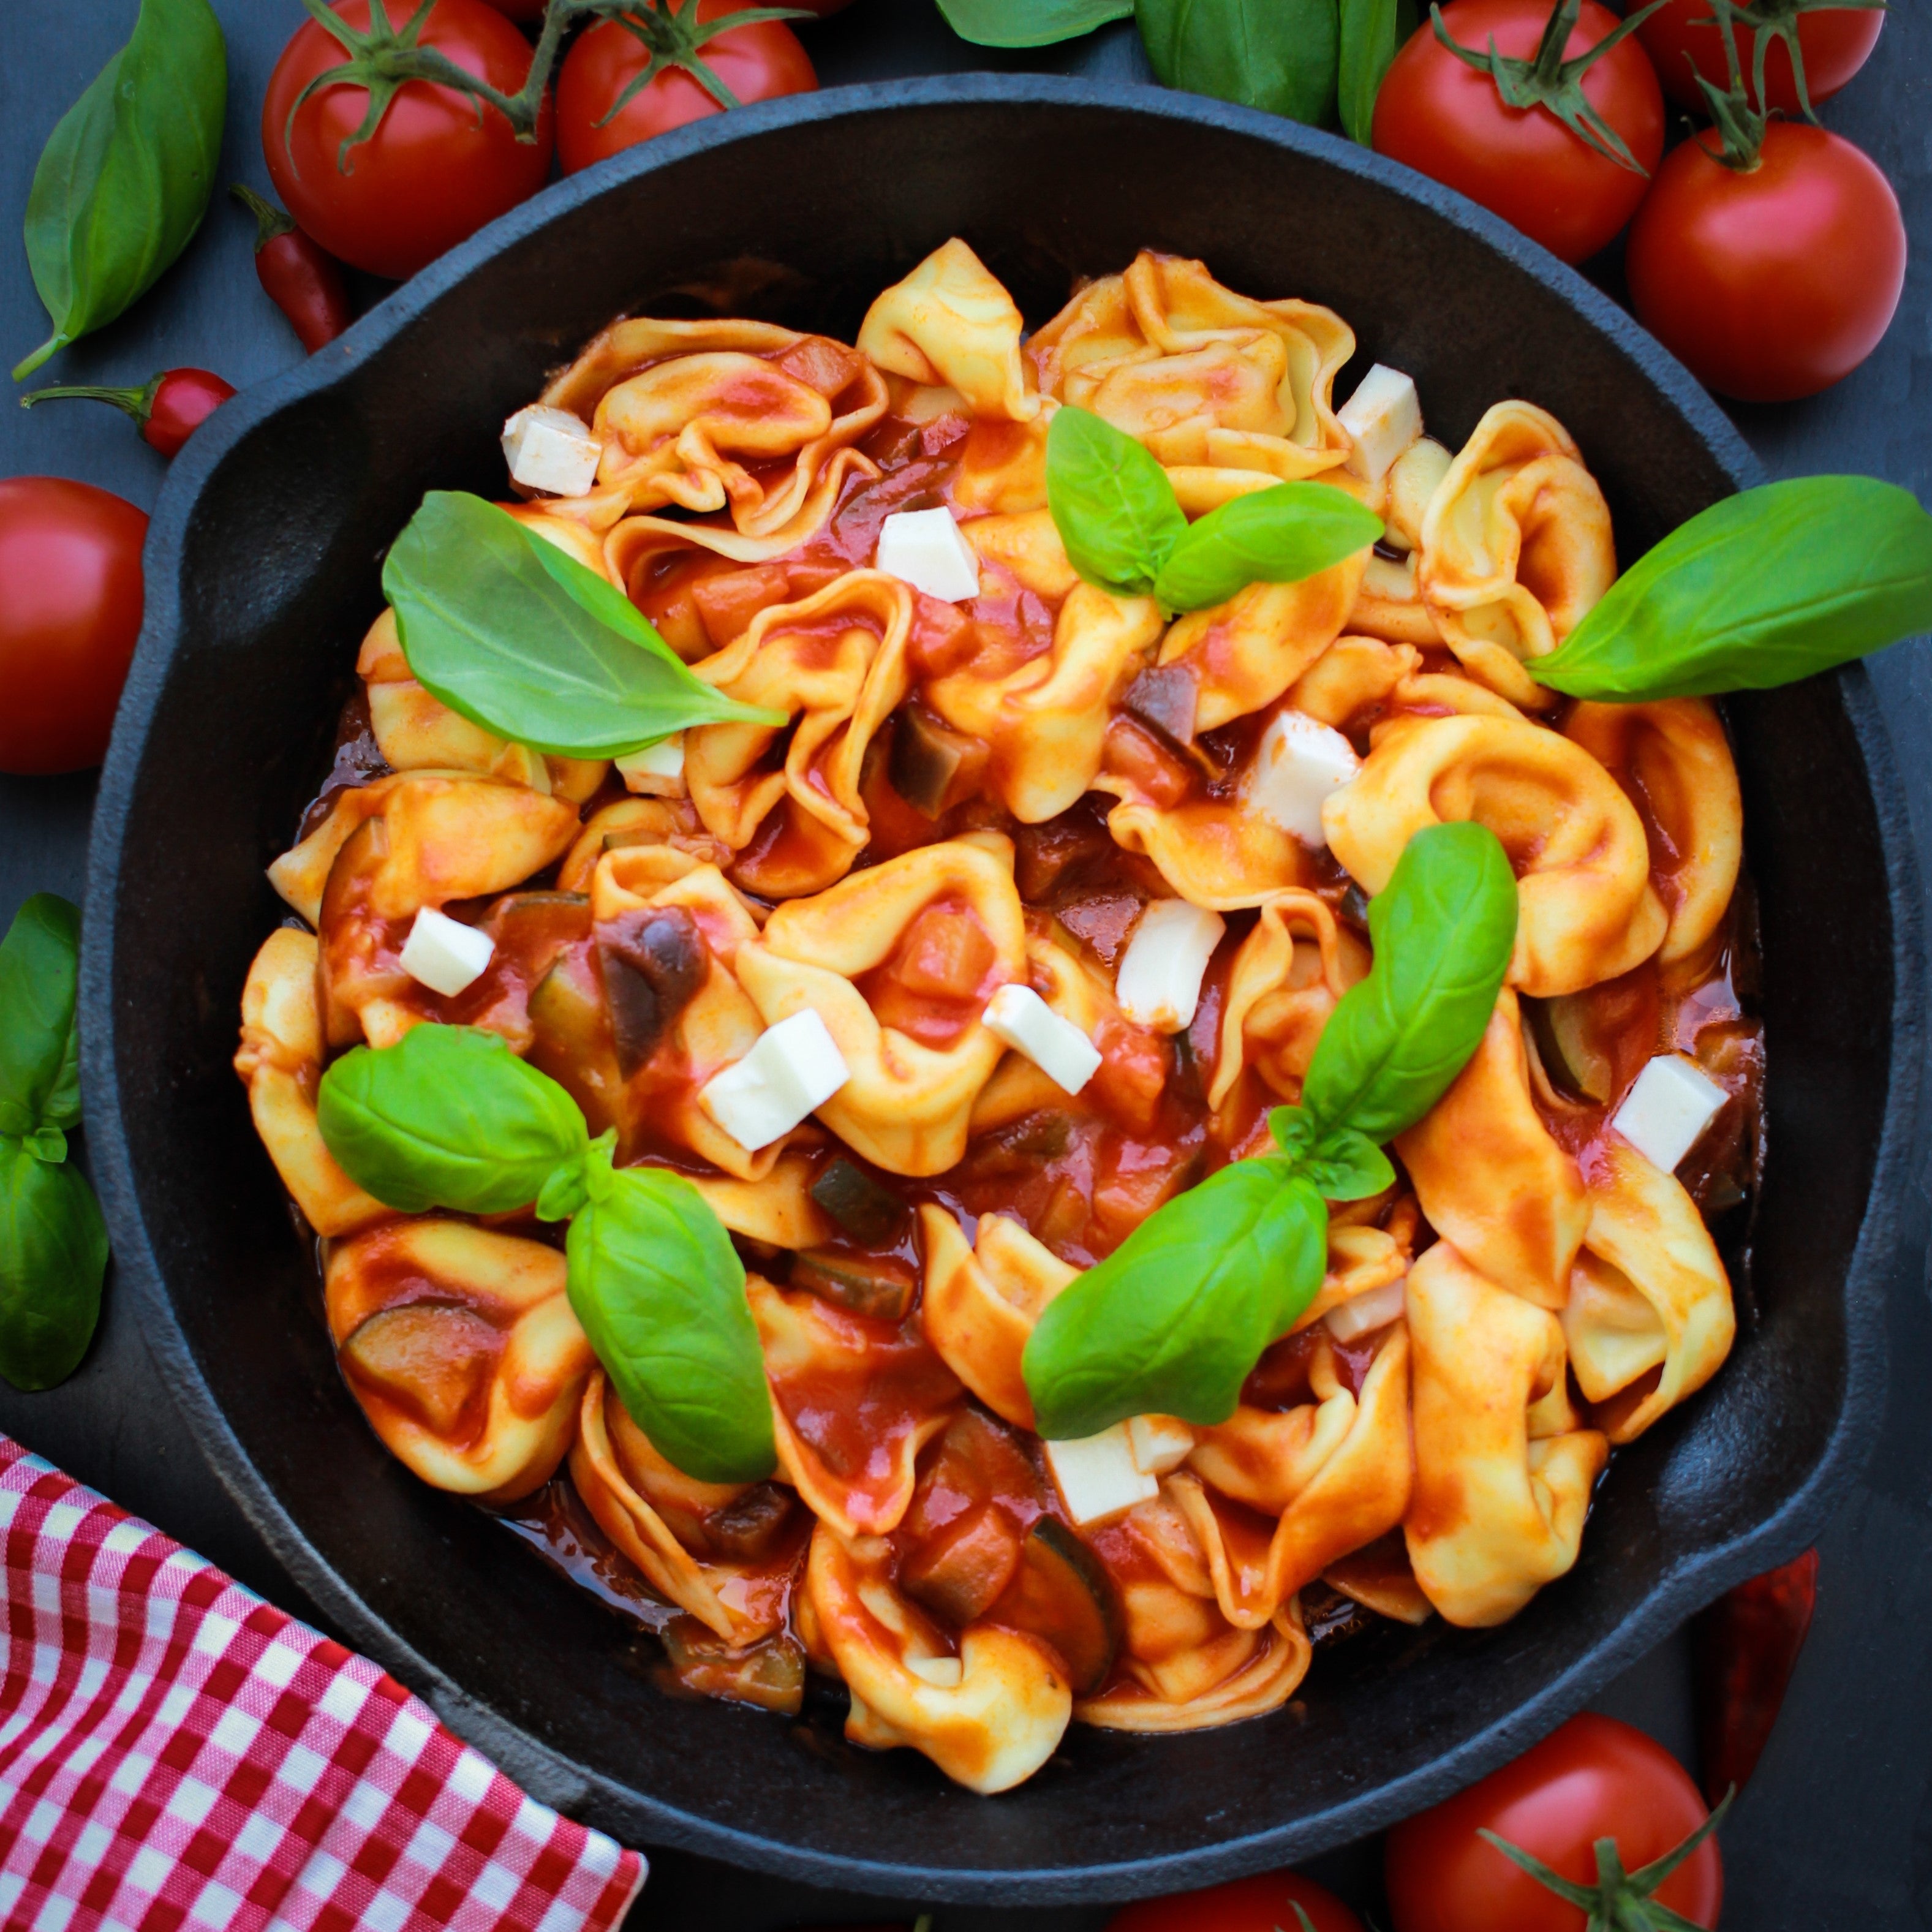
[1836, 1830]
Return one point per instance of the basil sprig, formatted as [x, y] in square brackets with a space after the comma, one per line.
[449, 1117]
[1761, 589]
[518, 637]
[53, 1243]
[125, 177]
[1173, 1322]
[1123, 529]
[1030, 23]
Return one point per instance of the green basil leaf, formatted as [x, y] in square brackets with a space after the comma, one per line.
[1372, 30]
[1343, 1164]
[1111, 503]
[1173, 1320]
[124, 178]
[519, 638]
[1279, 55]
[1030, 23]
[448, 1117]
[39, 972]
[1443, 930]
[1278, 536]
[53, 1253]
[660, 1290]
[1761, 589]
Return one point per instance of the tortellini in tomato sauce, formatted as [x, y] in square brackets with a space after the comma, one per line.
[1587, 910]
[459, 1344]
[1503, 1474]
[950, 322]
[1214, 852]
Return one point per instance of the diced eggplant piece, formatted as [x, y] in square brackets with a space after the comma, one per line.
[770, 1674]
[430, 1358]
[868, 1211]
[654, 960]
[878, 1286]
[1577, 1064]
[747, 1526]
[961, 1572]
[1062, 1596]
[1021, 1147]
[1163, 697]
[932, 765]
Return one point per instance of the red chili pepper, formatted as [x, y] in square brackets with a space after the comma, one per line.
[1744, 1648]
[167, 411]
[303, 280]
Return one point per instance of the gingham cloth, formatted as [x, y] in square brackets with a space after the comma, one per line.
[175, 1753]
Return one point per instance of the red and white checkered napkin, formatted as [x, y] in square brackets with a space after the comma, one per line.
[175, 1753]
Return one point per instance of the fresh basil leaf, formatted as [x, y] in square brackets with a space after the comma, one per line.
[1115, 511]
[1768, 587]
[1173, 1320]
[39, 972]
[519, 638]
[125, 177]
[660, 1293]
[53, 1253]
[1277, 535]
[1030, 23]
[568, 1186]
[1343, 1164]
[1443, 930]
[1279, 55]
[1372, 31]
[448, 1117]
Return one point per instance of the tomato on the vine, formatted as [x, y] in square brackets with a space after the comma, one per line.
[1768, 257]
[1684, 40]
[70, 559]
[1265, 1903]
[759, 61]
[1551, 168]
[1593, 1779]
[438, 164]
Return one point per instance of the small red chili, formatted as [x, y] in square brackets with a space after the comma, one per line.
[1744, 1648]
[302, 279]
[167, 411]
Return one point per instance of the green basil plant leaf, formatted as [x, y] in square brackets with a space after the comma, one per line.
[53, 1253]
[519, 638]
[39, 972]
[1277, 535]
[125, 177]
[1372, 31]
[449, 1117]
[660, 1290]
[1116, 512]
[1766, 587]
[1030, 23]
[1279, 55]
[1343, 1164]
[1173, 1320]
[1443, 930]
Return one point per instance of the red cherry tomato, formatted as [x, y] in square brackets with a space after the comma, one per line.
[1265, 1903]
[527, 12]
[759, 62]
[1834, 43]
[440, 164]
[1446, 119]
[70, 559]
[1775, 283]
[1595, 1778]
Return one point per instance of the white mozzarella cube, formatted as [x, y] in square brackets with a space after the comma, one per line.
[1385, 416]
[1362, 1314]
[657, 769]
[794, 1068]
[551, 450]
[1669, 1105]
[445, 955]
[1097, 1476]
[1018, 1018]
[1298, 766]
[1158, 983]
[1159, 1443]
[924, 548]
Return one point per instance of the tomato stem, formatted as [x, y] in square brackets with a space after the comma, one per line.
[1772, 20]
[1739, 125]
[1549, 81]
[672, 35]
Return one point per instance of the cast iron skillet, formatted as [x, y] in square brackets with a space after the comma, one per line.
[262, 572]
